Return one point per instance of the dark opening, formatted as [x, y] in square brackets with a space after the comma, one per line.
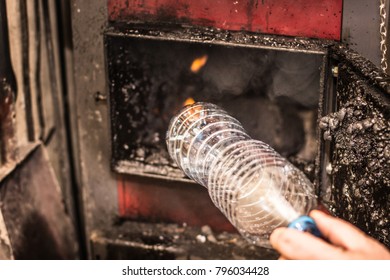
[274, 93]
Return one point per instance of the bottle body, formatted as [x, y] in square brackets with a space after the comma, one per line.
[255, 188]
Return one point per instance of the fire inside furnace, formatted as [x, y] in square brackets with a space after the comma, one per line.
[188, 101]
[273, 93]
[198, 63]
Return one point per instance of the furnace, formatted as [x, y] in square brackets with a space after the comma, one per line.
[98, 81]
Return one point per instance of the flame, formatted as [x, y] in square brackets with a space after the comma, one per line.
[192, 112]
[189, 101]
[198, 63]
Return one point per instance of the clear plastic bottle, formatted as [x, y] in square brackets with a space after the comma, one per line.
[256, 188]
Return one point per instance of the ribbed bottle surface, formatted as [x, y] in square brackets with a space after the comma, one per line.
[256, 188]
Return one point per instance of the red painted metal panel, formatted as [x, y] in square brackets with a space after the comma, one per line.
[162, 201]
[306, 18]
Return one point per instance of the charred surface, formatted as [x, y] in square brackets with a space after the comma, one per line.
[135, 240]
[363, 67]
[360, 133]
[217, 36]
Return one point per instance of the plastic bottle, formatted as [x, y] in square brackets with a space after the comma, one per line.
[255, 188]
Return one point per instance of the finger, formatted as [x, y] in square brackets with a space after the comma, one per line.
[293, 244]
[339, 232]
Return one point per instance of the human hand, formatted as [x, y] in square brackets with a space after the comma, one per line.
[345, 241]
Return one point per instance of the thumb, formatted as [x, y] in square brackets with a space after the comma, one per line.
[294, 244]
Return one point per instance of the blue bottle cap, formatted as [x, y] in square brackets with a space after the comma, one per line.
[306, 224]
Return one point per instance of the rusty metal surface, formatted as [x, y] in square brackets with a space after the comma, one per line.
[135, 240]
[358, 131]
[7, 94]
[304, 18]
[34, 213]
[33, 34]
